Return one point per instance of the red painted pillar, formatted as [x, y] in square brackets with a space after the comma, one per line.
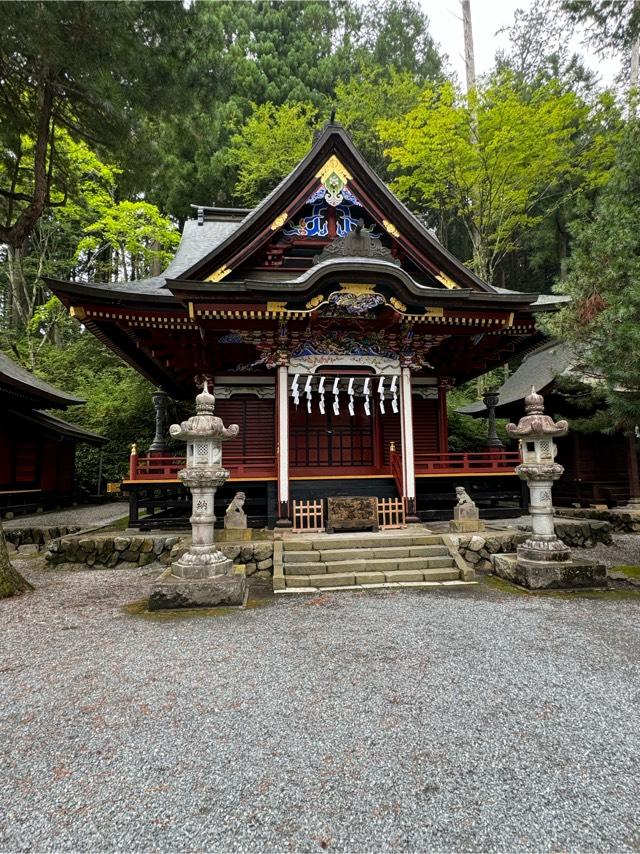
[282, 444]
[443, 424]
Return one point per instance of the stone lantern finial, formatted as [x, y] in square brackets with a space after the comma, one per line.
[534, 403]
[205, 402]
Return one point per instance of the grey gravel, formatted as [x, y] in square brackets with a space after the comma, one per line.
[625, 551]
[85, 516]
[409, 721]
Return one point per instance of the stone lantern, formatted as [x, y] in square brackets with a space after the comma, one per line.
[536, 432]
[203, 576]
[543, 560]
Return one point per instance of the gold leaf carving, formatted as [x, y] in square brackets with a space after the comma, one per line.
[399, 306]
[279, 221]
[276, 306]
[446, 281]
[434, 312]
[78, 312]
[358, 289]
[390, 228]
[315, 301]
[219, 274]
[333, 165]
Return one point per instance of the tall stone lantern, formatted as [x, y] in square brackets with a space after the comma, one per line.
[543, 560]
[536, 432]
[203, 576]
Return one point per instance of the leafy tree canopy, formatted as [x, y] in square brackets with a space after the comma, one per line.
[603, 282]
[525, 153]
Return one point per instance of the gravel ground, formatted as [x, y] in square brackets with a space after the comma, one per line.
[625, 551]
[474, 720]
[85, 516]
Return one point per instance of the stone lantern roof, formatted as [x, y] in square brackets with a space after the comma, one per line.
[535, 424]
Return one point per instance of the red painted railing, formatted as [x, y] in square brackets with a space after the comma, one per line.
[467, 462]
[154, 467]
[160, 468]
[396, 469]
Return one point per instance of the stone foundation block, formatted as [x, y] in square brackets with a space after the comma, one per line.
[370, 578]
[302, 557]
[169, 592]
[336, 579]
[304, 568]
[550, 575]
[297, 581]
[296, 545]
[463, 526]
[405, 575]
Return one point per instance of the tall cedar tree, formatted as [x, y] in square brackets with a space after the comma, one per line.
[88, 68]
[603, 320]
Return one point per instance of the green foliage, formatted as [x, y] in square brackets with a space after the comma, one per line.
[365, 100]
[118, 403]
[524, 153]
[129, 241]
[268, 145]
[603, 282]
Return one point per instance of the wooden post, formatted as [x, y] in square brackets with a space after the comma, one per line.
[282, 446]
[443, 425]
[99, 483]
[133, 463]
[634, 481]
[406, 426]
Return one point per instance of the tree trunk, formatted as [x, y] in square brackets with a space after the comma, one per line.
[11, 582]
[20, 298]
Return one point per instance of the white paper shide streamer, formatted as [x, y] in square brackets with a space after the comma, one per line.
[336, 400]
[321, 396]
[366, 392]
[307, 391]
[381, 393]
[393, 388]
[295, 391]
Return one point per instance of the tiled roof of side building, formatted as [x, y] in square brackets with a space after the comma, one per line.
[18, 381]
[538, 369]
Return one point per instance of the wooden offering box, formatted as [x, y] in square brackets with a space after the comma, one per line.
[351, 514]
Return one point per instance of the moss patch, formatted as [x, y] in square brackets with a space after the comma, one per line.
[258, 598]
[503, 586]
[631, 571]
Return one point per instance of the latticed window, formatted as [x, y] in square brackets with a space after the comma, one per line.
[202, 450]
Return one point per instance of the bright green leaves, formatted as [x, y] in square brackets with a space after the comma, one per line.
[498, 161]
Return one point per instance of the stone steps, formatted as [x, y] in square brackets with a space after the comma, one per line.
[375, 560]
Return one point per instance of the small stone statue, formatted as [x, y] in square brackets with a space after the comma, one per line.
[466, 516]
[235, 517]
[463, 497]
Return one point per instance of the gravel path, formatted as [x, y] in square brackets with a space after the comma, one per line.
[466, 721]
[85, 516]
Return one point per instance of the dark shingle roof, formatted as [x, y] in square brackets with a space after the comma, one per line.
[20, 382]
[59, 427]
[538, 369]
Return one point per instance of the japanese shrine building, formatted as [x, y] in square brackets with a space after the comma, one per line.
[330, 323]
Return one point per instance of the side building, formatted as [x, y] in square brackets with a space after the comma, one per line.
[599, 468]
[37, 449]
[331, 324]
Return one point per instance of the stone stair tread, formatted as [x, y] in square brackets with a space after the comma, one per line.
[388, 564]
[445, 575]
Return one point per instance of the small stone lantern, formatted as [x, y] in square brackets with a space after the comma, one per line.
[543, 560]
[536, 432]
[203, 576]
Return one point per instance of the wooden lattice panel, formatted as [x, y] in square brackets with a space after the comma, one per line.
[391, 513]
[308, 515]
